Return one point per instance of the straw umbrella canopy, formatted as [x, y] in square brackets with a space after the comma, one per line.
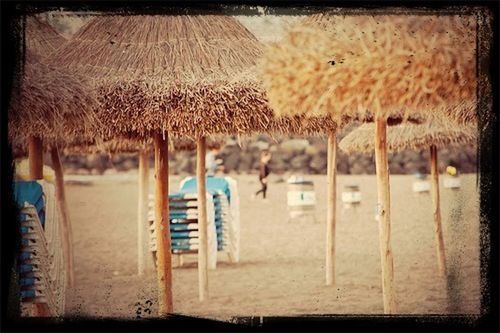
[48, 103]
[41, 38]
[170, 73]
[409, 136]
[331, 64]
[386, 69]
[432, 135]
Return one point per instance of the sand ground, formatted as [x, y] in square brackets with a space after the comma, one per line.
[282, 264]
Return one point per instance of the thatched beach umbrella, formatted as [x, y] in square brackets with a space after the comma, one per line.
[288, 106]
[40, 40]
[283, 108]
[52, 106]
[385, 69]
[189, 75]
[432, 135]
[410, 136]
[158, 68]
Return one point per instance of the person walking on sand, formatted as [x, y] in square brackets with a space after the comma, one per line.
[264, 171]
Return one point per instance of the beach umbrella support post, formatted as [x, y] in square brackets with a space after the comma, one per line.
[438, 230]
[202, 219]
[384, 217]
[35, 157]
[331, 208]
[66, 231]
[162, 226]
[35, 160]
[142, 213]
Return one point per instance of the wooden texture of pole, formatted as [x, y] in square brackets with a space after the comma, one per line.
[162, 227]
[142, 213]
[438, 230]
[35, 157]
[202, 219]
[331, 208]
[65, 222]
[384, 216]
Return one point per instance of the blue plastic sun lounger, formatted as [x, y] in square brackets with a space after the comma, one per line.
[185, 234]
[32, 193]
[212, 184]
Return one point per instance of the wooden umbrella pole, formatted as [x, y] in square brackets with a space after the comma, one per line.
[438, 230]
[142, 212]
[162, 227]
[331, 208]
[384, 216]
[35, 157]
[202, 219]
[66, 230]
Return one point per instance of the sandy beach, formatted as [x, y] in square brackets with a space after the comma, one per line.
[282, 263]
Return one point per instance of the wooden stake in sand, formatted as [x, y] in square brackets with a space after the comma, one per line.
[35, 156]
[142, 212]
[384, 216]
[331, 208]
[438, 230]
[66, 231]
[162, 227]
[202, 219]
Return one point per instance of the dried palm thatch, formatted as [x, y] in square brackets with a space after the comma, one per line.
[189, 75]
[118, 146]
[152, 66]
[167, 48]
[46, 102]
[51, 104]
[396, 67]
[195, 110]
[41, 38]
[410, 136]
[185, 144]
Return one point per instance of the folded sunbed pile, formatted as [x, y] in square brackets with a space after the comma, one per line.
[222, 214]
[184, 233]
[40, 261]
